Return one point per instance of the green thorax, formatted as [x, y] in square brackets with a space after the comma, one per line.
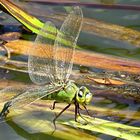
[66, 94]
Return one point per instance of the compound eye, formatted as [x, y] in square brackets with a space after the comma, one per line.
[80, 94]
[82, 89]
[88, 95]
[88, 98]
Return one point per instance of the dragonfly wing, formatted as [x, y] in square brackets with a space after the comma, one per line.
[65, 43]
[40, 61]
[8, 93]
[31, 95]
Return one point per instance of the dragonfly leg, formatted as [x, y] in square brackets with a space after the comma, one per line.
[80, 113]
[59, 115]
[53, 106]
[76, 110]
[86, 110]
[5, 110]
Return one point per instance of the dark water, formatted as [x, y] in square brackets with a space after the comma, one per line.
[114, 109]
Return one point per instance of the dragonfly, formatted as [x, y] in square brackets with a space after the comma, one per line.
[50, 70]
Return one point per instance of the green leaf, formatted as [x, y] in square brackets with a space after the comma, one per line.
[106, 127]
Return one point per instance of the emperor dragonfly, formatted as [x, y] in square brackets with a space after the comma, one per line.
[51, 73]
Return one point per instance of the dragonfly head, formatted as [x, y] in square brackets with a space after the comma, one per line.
[83, 95]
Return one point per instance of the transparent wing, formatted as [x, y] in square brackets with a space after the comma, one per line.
[8, 93]
[40, 61]
[65, 44]
[48, 63]
[31, 95]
